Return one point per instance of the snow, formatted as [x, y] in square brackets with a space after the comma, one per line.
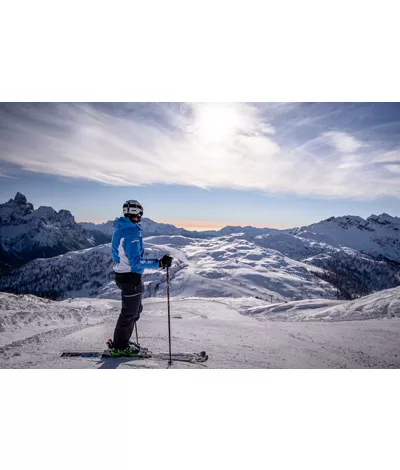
[35, 331]
[228, 266]
[381, 304]
[253, 298]
[377, 235]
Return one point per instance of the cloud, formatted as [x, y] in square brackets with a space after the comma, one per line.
[343, 141]
[232, 145]
[6, 176]
[389, 161]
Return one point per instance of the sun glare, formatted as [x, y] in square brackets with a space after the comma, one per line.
[217, 122]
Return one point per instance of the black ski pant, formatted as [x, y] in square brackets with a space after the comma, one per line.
[131, 295]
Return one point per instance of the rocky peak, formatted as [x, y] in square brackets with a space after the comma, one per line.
[383, 219]
[14, 209]
[27, 233]
[20, 199]
[45, 212]
[20, 203]
[65, 217]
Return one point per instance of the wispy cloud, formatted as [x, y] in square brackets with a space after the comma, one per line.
[343, 141]
[234, 145]
[6, 176]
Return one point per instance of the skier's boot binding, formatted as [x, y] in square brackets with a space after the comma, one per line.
[131, 351]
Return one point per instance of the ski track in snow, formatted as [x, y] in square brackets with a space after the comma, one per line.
[232, 340]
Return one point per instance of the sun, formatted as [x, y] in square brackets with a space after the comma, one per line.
[217, 122]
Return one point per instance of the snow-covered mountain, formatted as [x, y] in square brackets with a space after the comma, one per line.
[275, 266]
[378, 236]
[26, 233]
[82, 273]
[343, 257]
[229, 266]
[105, 228]
[353, 273]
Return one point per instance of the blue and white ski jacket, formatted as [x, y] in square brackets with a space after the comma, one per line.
[127, 248]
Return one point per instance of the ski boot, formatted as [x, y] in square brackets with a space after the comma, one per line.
[133, 350]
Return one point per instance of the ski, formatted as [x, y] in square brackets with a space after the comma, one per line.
[143, 354]
[90, 354]
[183, 357]
[102, 354]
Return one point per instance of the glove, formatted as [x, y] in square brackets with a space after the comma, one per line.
[165, 261]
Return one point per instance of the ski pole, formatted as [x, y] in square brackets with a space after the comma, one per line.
[137, 338]
[169, 319]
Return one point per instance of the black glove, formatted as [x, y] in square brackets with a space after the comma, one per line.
[165, 261]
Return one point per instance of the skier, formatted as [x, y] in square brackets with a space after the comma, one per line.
[129, 264]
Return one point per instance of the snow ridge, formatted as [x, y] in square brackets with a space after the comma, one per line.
[377, 236]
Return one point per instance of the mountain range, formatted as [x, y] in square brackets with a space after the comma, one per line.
[377, 236]
[340, 257]
[151, 228]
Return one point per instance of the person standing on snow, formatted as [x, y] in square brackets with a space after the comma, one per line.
[129, 264]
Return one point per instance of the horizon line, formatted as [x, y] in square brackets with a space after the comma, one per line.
[192, 225]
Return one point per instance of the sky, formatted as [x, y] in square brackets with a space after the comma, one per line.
[204, 165]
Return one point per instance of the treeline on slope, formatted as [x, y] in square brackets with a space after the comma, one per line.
[355, 277]
[53, 278]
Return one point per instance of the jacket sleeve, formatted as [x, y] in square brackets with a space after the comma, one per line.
[132, 250]
[115, 246]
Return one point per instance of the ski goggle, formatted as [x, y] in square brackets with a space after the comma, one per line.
[127, 208]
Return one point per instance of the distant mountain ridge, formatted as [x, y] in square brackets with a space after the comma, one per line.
[377, 236]
[27, 234]
[348, 250]
[151, 228]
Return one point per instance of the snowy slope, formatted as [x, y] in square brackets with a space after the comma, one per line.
[229, 266]
[274, 267]
[381, 304]
[234, 266]
[34, 332]
[27, 316]
[353, 273]
[75, 274]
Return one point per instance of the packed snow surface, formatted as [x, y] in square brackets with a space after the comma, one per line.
[34, 331]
